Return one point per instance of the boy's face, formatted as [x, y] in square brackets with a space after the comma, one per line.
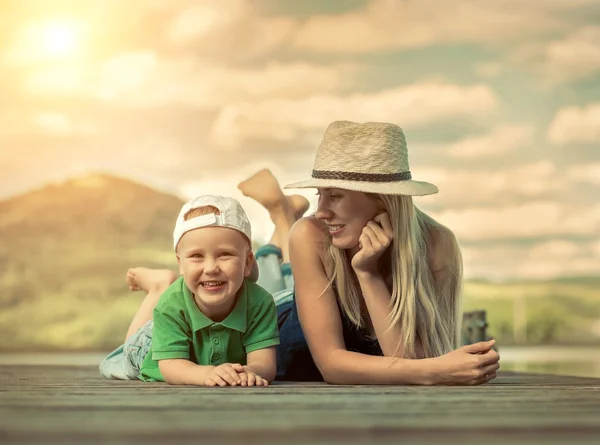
[214, 262]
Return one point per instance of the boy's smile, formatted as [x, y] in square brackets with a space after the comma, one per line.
[214, 262]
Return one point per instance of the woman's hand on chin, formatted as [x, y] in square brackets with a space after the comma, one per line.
[469, 365]
[376, 237]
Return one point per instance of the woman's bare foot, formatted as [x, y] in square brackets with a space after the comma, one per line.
[142, 278]
[264, 189]
[299, 205]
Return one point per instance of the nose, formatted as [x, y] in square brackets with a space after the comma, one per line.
[210, 266]
[323, 210]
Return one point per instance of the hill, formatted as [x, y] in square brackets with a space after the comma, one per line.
[64, 251]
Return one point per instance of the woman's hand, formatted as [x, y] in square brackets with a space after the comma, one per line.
[470, 365]
[376, 237]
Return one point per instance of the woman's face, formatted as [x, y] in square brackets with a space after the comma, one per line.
[346, 213]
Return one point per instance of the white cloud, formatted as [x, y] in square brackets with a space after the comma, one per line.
[389, 24]
[585, 173]
[231, 29]
[485, 186]
[576, 56]
[408, 106]
[54, 123]
[503, 139]
[574, 124]
[543, 260]
[46, 123]
[142, 79]
[533, 219]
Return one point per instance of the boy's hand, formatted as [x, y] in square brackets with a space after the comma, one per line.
[227, 374]
[250, 378]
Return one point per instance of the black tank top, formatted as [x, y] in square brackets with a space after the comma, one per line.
[356, 339]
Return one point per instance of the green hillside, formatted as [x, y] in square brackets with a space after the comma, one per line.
[64, 251]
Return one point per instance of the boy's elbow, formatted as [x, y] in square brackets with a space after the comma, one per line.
[168, 373]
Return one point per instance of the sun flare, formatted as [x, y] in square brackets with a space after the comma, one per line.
[53, 40]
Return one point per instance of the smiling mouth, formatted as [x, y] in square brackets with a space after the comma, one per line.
[212, 284]
[333, 229]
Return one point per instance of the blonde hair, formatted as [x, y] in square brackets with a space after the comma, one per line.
[424, 311]
[201, 211]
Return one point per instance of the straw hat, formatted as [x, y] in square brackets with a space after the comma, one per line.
[367, 157]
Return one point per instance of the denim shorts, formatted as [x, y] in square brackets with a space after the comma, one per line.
[124, 363]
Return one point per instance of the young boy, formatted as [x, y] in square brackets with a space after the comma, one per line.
[212, 326]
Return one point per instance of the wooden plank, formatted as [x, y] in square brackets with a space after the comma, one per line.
[71, 404]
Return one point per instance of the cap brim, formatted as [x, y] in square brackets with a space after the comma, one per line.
[409, 187]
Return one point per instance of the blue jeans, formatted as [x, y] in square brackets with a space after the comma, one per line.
[124, 363]
[294, 361]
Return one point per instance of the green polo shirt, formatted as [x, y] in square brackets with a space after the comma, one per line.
[182, 331]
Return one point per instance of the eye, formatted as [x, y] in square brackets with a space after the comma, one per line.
[225, 254]
[195, 255]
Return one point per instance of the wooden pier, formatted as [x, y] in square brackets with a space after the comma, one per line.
[74, 405]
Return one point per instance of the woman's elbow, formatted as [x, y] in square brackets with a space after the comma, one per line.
[329, 372]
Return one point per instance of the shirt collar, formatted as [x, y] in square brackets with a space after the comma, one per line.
[236, 319]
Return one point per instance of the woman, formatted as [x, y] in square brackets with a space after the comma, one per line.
[376, 282]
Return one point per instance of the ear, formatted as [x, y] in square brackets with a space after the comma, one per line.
[251, 268]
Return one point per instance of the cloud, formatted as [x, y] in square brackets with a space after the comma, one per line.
[543, 260]
[589, 173]
[531, 219]
[410, 106]
[142, 79]
[503, 139]
[388, 24]
[573, 56]
[228, 29]
[576, 56]
[574, 124]
[485, 186]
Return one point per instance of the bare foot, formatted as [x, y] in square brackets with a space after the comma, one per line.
[299, 205]
[264, 188]
[142, 278]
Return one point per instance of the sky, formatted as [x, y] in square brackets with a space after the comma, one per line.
[499, 101]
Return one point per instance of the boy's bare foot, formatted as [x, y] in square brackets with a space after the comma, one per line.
[299, 205]
[264, 188]
[142, 278]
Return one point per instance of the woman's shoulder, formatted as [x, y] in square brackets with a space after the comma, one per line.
[309, 235]
[443, 248]
[309, 228]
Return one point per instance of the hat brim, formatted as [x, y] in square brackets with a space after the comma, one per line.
[408, 187]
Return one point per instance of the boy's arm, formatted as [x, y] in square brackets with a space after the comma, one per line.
[262, 362]
[261, 337]
[184, 372]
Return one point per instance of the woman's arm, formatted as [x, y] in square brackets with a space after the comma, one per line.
[375, 239]
[321, 323]
[322, 326]
[377, 299]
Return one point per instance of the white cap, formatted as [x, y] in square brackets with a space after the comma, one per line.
[232, 215]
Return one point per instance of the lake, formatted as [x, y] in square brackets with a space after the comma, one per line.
[583, 361]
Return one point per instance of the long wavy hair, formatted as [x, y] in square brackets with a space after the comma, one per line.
[425, 311]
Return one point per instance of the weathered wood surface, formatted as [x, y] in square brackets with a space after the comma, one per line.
[74, 405]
